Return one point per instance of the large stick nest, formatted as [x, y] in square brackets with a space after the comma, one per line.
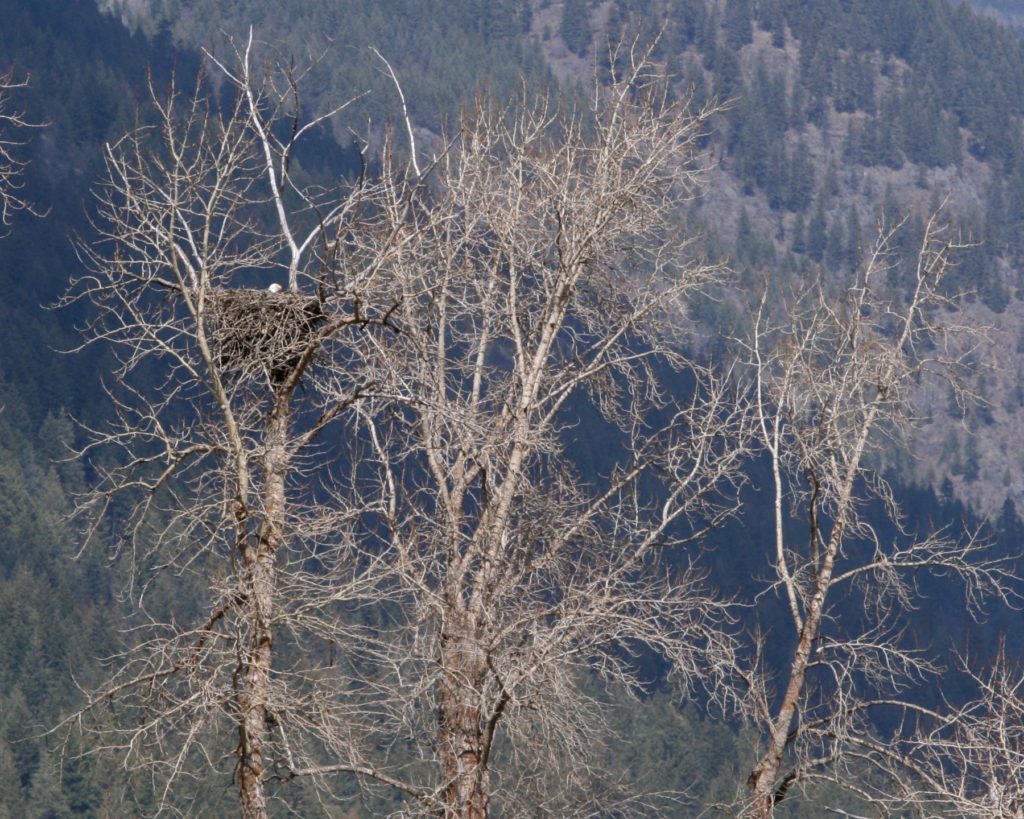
[257, 332]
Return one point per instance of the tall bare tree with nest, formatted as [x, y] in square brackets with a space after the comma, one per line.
[544, 281]
[218, 400]
[834, 382]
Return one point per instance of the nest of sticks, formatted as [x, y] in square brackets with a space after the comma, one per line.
[257, 332]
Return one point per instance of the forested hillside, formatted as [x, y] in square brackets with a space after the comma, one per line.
[442, 58]
[837, 116]
[59, 612]
[847, 115]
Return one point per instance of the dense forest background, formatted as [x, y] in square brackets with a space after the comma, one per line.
[1003, 9]
[841, 114]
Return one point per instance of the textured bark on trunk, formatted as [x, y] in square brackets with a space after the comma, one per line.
[461, 734]
[765, 774]
[260, 564]
[763, 778]
[254, 692]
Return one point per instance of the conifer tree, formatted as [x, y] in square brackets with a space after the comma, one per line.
[738, 25]
[575, 26]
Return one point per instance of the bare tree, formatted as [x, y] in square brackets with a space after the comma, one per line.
[834, 382]
[417, 600]
[544, 277]
[218, 400]
[13, 124]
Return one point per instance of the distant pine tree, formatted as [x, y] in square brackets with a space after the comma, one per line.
[817, 235]
[739, 30]
[798, 243]
[853, 239]
[576, 26]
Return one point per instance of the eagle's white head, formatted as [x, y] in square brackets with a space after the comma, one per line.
[275, 288]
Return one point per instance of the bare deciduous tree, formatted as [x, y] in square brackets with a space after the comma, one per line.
[206, 468]
[834, 383]
[416, 600]
[970, 763]
[542, 280]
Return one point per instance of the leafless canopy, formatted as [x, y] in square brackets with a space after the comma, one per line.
[541, 277]
[416, 599]
[834, 381]
[970, 762]
[218, 399]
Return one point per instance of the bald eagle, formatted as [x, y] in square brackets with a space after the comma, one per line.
[275, 288]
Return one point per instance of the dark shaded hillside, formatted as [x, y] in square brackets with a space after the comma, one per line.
[442, 53]
[58, 613]
[87, 81]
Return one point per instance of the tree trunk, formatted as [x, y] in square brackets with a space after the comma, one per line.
[765, 774]
[763, 778]
[259, 562]
[461, 735]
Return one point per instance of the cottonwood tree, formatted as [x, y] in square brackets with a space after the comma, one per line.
[542, 283]
[418, 600]
[217, 402]
[834, 382]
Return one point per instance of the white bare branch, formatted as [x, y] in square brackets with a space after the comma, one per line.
[14, 122]
[834, 381]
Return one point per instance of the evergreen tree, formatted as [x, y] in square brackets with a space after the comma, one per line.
[853, 143]
[835, 246]
[798, 243]
[883, 135]
[708, 40]
[797, 106]
[771, 19]
[46, 799]
[738, 27]
[853, 84]
[690, 19]
[1009, 525]
[728, 74]
[769, 88]
[11, 796]
[972, 458]
[749, 141]
[746, 239]
[830, 184]
[843, 91]
[817, 235]
[694, 80]
[890, 211]
[575, 26]
[800, 185]
[996, 222]
[777, 176]
[854, 253]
